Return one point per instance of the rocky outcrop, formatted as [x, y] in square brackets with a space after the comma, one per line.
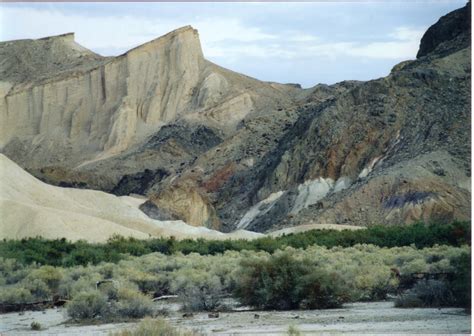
[184, 201]
[325, 166]
[451, 31]
[431, 187]
[330, 170]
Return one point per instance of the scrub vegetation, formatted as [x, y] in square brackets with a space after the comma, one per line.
[289, 278]
[64, 253]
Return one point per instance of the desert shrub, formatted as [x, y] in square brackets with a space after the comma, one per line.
[154, 327]
[78, 272]
[270, 282]
[35, 326]
[433, 293]
[50, 275]
[331, 276]
[110, 290]
[36, 250]
[147, 282]
[107, 270]
[284, 282]
[15, 295]
[37, 288]
[440, 265]
[162, 245]
[88, 305]
[78, 282]
[226, 268]
[293, 331]
[366, 275]
[84, 254]
[321, 290]
[414, 266]
[426, 293]
[12, 271]
[461, 282]
[197, 290]
[129, 245]
[188, 246]
[64, 253]
[133, 304]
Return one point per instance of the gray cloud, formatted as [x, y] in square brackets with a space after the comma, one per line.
[287, 42]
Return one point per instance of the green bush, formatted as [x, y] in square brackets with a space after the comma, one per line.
[37, 288]
[11, 271]
[68, 254]
[198, 290]
[149, 283]
[271, 284]
[15, 295]
[133, 304]
[321, 290]
[461, 282]
[426, 293]
[127, 303]
[283, 282]
[76, 282]
[110, 290]
[434, 293]
[315, 277]
[88, 305]
[50, 275]
[454, 290]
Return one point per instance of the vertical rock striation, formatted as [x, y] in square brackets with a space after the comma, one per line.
[97, 111]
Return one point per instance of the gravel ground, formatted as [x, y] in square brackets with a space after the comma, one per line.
[357, 318]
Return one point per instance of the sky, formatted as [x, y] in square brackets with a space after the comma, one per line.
[292, 42]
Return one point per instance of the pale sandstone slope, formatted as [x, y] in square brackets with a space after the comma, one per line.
[83, 112]
[88, 108]
[29, 207]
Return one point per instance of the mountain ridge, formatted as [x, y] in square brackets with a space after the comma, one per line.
[223, 150]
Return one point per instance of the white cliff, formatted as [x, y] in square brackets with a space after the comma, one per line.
[76, 106]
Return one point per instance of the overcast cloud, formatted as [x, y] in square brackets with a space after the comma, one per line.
[305, 43]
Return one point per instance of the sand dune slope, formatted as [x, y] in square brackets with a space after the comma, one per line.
[29, 207]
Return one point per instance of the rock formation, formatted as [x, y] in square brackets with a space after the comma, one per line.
[218, 149]
[89, 108]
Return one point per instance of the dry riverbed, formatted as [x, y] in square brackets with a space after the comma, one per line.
[357, 318]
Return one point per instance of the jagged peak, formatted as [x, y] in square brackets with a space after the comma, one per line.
[70, 37]
[453, 28]
[168, 37]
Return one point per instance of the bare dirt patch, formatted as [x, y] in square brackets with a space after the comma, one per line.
[368, 317]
